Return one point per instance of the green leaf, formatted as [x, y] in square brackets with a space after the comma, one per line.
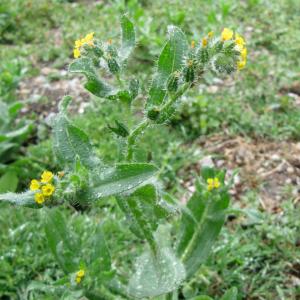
[8, 182]
[123, 178]
[128, 37]
[20, 132]
[231, 294]
[120, 129]
[62, 243]
[156, 274]
[144, 212]
[94, 84]
[201, 298]
[170, 60]
[201, 226]
[22, 199]
[99, 257]
[70, 143]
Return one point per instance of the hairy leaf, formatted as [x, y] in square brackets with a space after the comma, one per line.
[144, 212]
[123, 178]
[170, 60]
[128, 37]
[157, 274]
[94, 84]
[22, 199]
[71, 143]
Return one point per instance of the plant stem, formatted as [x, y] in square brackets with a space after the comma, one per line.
[144, 124]
[133, 136]
[175, 97]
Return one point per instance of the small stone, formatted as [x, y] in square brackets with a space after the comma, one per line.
[207, 162]
[275, 157]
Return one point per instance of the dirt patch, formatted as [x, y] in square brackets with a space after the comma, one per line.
[271, 168]
[43, 93]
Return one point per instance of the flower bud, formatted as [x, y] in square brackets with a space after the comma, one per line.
[172, 84]
[113, 65]
[189, 71]
[203, 55]
[153, 113]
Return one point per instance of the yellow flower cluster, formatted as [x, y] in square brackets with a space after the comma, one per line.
[43, 188]
[79, 276]
[213, 183]
[205, 39]
[87, 40]
[241, 46]
[227, 34]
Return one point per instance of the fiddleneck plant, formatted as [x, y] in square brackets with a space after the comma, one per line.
[166, 262]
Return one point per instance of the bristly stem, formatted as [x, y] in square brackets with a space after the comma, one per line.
[133, 136]
[145, 123]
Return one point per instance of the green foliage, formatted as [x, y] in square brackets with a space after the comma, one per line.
[170, 61]
[71, 143]
[86, 179]
[13, 133]
[202, 224]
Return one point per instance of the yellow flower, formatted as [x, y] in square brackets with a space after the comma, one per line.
[78, 280]
[80, 273]
[48, 189]
[204, 42]
[78, 43]
[34, 185]
[193, 44]
[216, 182]
[210, 34]
[227, 34]
[213, 183]
[241, 64]
[239, 40]
[244, 53]
[89, 37]
[79, 276]
[76, 52]
[47, 176]
[87, 40]
[39, 198]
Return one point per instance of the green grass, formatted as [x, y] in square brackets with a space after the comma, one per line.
[259, 253]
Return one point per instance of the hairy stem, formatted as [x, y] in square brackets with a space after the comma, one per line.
[133, 137]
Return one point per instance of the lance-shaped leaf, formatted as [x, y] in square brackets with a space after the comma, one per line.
[71, 143]
[22, 199]
[123, 178]
[157, 274]
[170, 60]
[62, 243]
[201, 223]
[143, 211]
[94, 84]
[128, 37]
